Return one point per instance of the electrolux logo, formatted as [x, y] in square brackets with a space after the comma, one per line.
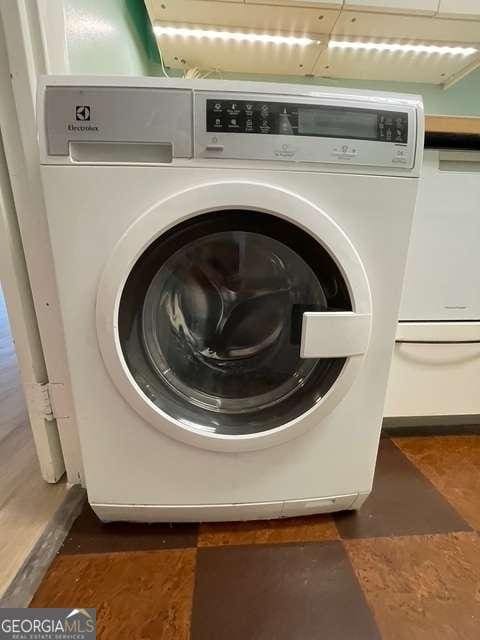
[83, 113]
[82, 127]
[48, 624]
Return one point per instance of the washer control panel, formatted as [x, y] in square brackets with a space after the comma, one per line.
[291, 119]
[239, 126]
[171, 121]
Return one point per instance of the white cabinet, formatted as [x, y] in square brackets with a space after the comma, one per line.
[429, 379]
[442, 280]
[436, 362]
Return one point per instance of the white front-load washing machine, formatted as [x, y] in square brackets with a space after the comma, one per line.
[229, 259]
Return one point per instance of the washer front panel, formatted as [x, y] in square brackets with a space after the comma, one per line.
[196, 321]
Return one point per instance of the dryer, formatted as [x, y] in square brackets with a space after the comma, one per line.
[229, 258]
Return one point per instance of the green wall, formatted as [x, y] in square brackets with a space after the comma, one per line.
[108, 37]
[461, 99]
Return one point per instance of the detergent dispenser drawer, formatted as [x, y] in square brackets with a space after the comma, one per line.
[153, 117]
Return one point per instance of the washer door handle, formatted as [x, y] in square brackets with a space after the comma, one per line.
[337, 334]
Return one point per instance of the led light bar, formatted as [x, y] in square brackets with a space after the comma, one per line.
[394, 47]
[237, 36]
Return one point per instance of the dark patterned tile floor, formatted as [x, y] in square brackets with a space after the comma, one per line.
[452, 464]
[144, 594]
[311, 529]
[274, 591]
[403, 502]
[421, 587]
[406, 567]
[89, 534]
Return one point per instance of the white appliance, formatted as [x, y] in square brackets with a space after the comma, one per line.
[436, 365]
[229, 258]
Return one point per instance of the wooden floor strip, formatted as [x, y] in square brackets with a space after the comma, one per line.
[28, 578]
[27, 502]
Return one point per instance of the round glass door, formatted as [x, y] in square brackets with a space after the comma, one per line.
[210, 321]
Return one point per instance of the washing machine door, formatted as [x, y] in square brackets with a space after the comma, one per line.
[240, 321]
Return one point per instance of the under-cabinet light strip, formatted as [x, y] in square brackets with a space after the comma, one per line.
[394, 47]
[237, 36]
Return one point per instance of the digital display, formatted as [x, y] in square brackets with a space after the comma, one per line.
[338, 123]
[290, 119]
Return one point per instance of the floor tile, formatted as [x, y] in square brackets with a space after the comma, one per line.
[138, 596]
[422, 587]
[280, 592]
[308, 529]
[403, 502]
[452, 464]
[90, 535]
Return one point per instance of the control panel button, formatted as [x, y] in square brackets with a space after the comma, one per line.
[233, 123]
[345, 152]
[215, 147]
[400, 156]
[265, 125]
[286, 151]
[233, 109]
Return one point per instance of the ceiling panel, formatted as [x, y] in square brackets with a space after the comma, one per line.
[402, 67]
[378, 25]
[300, 17]
[396, 6]
[215, 56]
[254, 16]
[468, 9]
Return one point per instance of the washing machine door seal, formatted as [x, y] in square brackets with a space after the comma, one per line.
[215, 326]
